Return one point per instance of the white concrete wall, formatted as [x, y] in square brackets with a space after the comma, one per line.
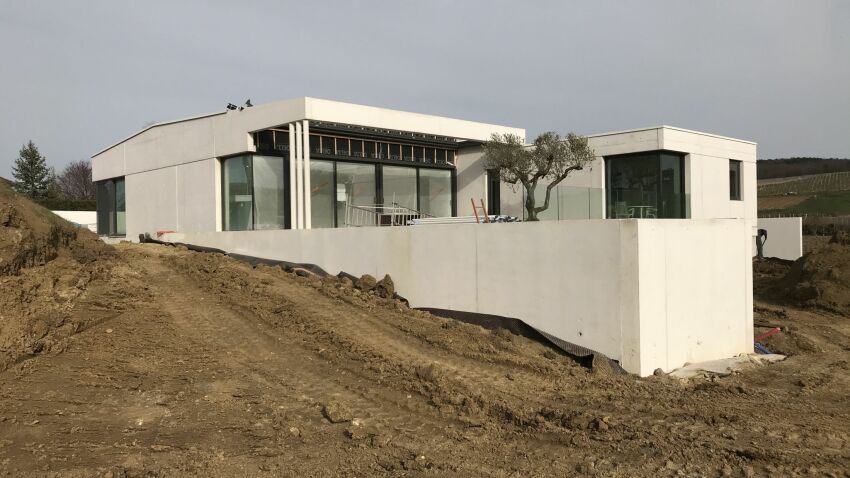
[696, 291]
[650, 293]
[784, 237]
[471, 179]
[87, 219]
[176, 198]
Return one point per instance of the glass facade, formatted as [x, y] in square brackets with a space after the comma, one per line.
[568, 202]
[120, 208]
[400, 186]
[111, 207]
[268, 192]
[322, 187]
[238, 194]
[435, 192]
[349, 172]
[322, 144]
[253, 189]
[355, 186]
[645, 185]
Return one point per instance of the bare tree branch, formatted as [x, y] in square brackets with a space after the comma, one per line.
[75, 182]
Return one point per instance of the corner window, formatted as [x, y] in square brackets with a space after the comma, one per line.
[111, 208]
[734, 180]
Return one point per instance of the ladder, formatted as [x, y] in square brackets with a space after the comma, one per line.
[484, 217]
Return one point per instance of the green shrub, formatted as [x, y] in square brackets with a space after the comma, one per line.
[60, 204]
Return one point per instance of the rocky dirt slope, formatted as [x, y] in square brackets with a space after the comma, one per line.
[193, 364]
[55, 280]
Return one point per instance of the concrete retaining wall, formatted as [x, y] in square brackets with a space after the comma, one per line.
[649, 293]
[784, 237]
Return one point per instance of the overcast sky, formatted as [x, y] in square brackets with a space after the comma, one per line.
[78, 76]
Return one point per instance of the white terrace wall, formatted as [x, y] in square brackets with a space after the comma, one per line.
[784, 237]
[649, 293]
[87, 219]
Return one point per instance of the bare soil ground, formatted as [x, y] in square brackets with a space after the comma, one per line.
[146, 360]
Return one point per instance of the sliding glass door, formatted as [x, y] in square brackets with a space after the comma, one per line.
[355, 186]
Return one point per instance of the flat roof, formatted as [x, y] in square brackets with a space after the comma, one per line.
[319, 108]
[691, 131]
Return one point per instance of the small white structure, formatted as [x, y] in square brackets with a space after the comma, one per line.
[668, 280]
[784, 237]
[87, 219]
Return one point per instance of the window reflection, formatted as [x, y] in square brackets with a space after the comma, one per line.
[645, 185]
[435, 192]
[355, 186]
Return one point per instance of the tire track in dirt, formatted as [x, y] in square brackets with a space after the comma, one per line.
[374, 331]
[283, 364]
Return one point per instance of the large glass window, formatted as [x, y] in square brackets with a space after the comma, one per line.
[322, 193]
[268, 192]
[399, 186]
[355, 186]
[395, 151]
[435, 192]
[237, 194]
[315, 146]
[734, 180]
[120, 208]
[111, 207]
[646, 185]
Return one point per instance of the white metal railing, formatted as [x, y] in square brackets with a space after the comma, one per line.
[380, 215]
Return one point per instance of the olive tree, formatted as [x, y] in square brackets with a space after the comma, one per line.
[550, 159]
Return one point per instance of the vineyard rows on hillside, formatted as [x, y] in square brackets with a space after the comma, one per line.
[808, 184]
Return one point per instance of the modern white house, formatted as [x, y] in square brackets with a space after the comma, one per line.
[647, 257]
[304, 163]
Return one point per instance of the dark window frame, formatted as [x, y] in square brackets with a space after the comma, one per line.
[682, 166]
[287, 216]
[735, 182]
[110, 214]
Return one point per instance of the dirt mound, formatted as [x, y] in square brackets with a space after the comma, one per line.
[29, 234]
[821, 278]
[49, 270]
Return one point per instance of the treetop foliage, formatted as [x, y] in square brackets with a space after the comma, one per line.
[31, 174]
[550, 158]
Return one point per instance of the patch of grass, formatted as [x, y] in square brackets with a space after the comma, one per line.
[825, 203]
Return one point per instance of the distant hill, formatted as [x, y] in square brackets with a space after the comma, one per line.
[788, 167]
